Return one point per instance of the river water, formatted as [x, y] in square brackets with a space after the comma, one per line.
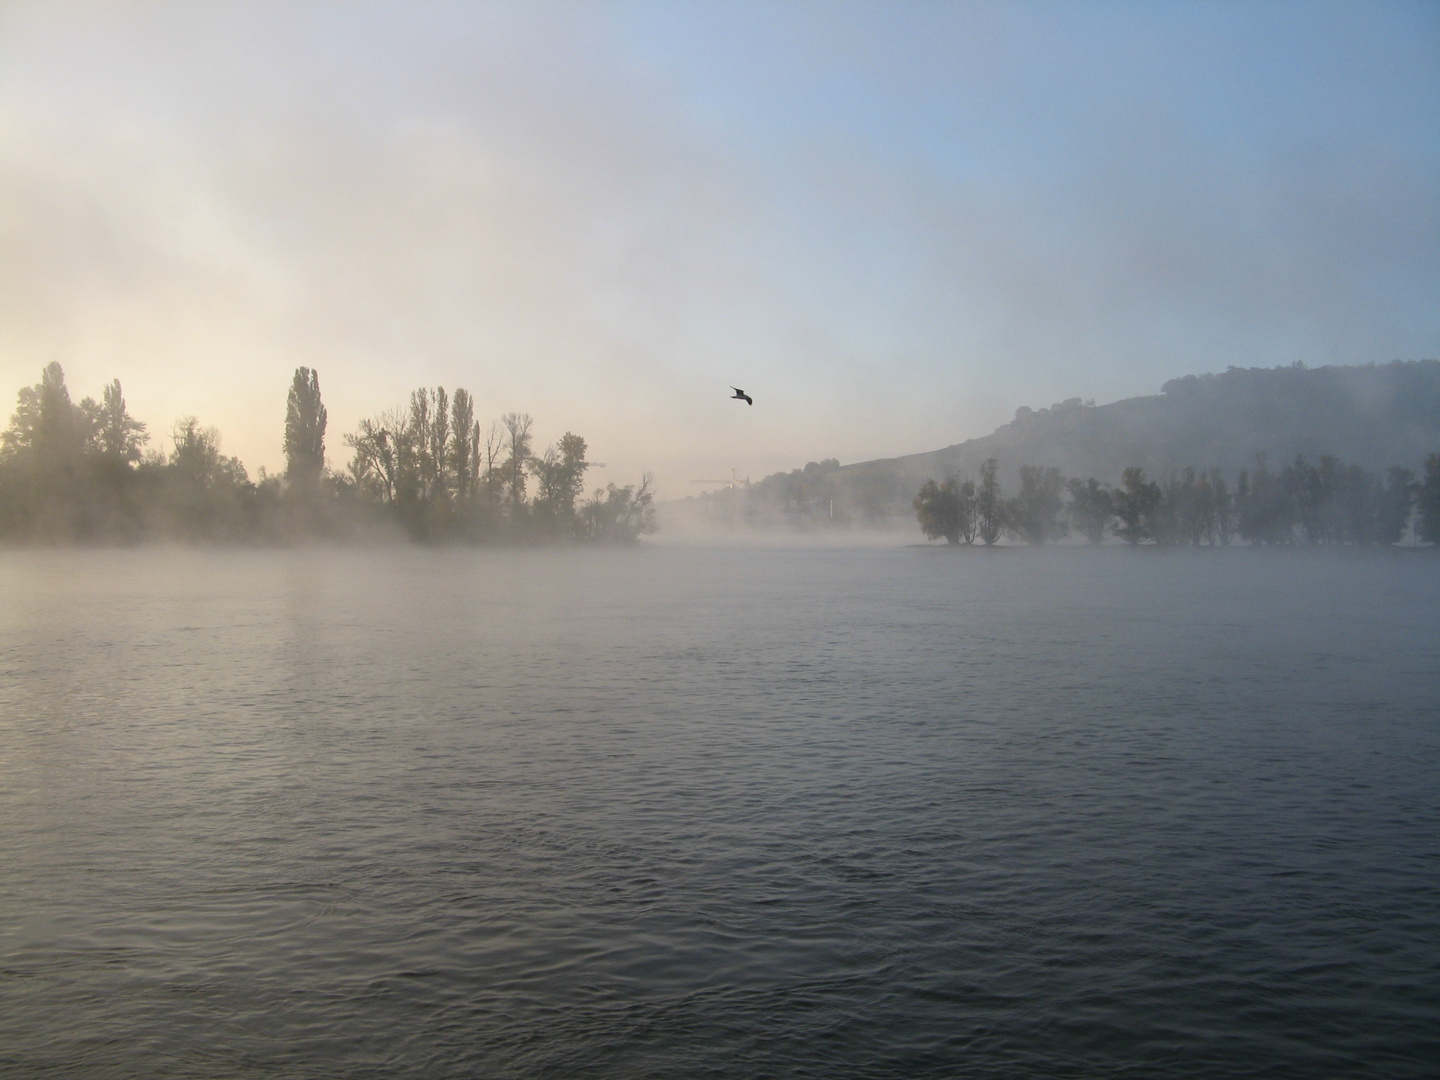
[687, 812]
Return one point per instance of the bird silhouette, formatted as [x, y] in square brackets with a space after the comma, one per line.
[740, 395]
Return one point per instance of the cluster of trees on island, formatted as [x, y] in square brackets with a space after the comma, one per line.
[1302, 503]
[81, 472]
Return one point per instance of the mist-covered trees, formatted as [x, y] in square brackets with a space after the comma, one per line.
[939, 509]
[1091, 507]
[430, 470]
[1136, 504]
[206, 495]
[1034, 514]
[958, 510]
[67, 470]
[618, 515]
[77, 472]
[1324, 503]
[803, 498]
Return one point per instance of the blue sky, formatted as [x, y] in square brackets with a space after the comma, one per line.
[892, 223]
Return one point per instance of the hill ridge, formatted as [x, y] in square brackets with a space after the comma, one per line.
[1374, 415]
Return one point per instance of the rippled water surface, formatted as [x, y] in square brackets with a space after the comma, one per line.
[685, 813]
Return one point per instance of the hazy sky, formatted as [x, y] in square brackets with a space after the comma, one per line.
[890, 223]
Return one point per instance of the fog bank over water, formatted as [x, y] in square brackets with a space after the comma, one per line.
[893, 224]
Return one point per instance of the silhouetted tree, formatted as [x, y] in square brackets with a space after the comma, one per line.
[1224, 507]
[420, 442]
[1265, 513]
[305, 420]
[43, 454]
[1304, 496]
[422, 461]
[1396, 503]
[517, 446]
[438, 449]
[373, 466]
[67, 471]
[560, 476]
[75, 471]
[937, 507]
[118, 435]
[493, 474]
[47, 428]
[1187, 512]
[1429, 500]
[115, 487]
[1136, 503]
[210, 496]
[1090, 508]
[1198, 523]
[989, 504]
[441, 481]
[464, 444]
[619, 515]
[1034, 514]
[966, 497]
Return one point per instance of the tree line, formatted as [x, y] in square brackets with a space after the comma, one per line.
[82, 472]
[1328, 503]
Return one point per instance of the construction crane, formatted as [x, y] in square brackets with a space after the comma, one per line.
[732, 483]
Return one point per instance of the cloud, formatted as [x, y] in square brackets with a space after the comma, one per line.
[892, 226]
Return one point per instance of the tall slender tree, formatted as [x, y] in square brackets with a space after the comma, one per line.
[118, 435]
[1429, 499]
[989, 504]
[517, 443]
[464, 433]
[305, 419]
[1224, 507]
[438, 451]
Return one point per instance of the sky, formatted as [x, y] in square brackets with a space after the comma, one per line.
[891, 223]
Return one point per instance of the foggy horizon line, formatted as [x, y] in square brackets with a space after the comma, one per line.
[185, 419]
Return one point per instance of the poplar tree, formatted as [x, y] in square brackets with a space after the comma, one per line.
[464, 435]
[305, 430]
[118, 435]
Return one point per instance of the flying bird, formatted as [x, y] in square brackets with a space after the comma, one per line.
[740, 395]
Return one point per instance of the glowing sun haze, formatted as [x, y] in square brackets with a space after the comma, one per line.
[890, 223]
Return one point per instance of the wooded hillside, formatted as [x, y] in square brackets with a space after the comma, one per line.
[1375, 416]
